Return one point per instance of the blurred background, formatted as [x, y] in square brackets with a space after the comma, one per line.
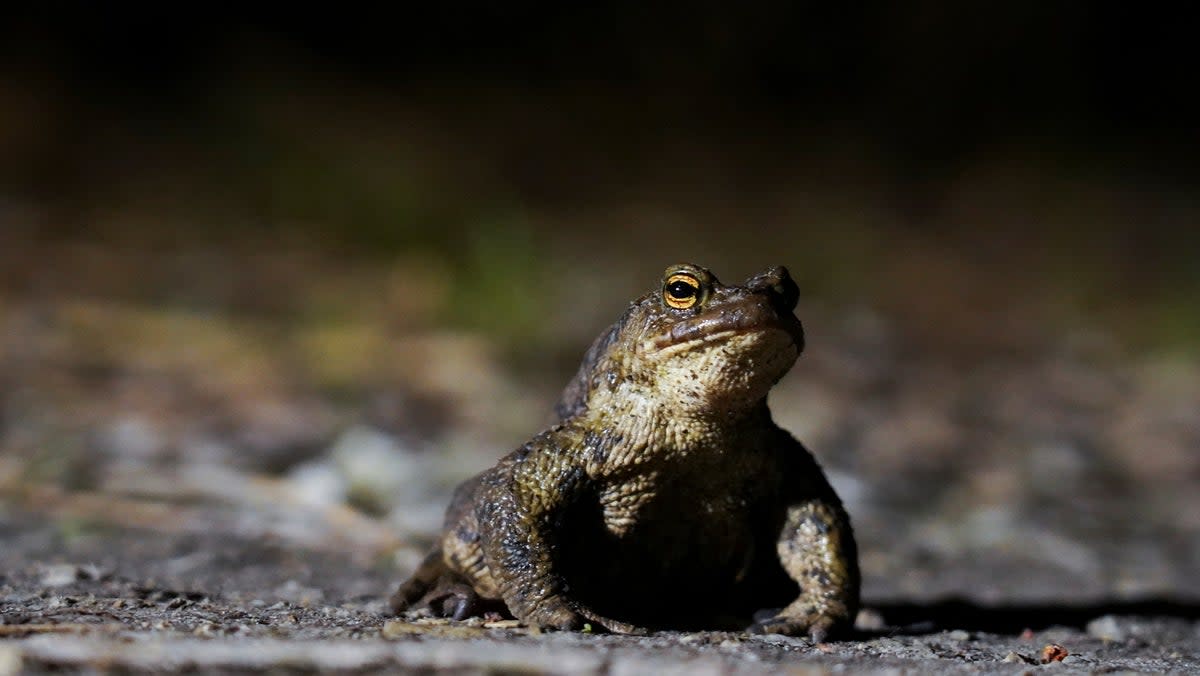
[294, 275]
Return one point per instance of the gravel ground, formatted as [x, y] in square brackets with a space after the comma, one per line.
[130, 600]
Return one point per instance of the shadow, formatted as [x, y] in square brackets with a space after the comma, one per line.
[914, 618]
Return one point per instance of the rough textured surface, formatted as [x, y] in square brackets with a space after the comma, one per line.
[218, 603]
[666, 497]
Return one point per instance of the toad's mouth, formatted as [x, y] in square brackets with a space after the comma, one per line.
[727, 322]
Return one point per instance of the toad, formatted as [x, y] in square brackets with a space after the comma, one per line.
[665, 497]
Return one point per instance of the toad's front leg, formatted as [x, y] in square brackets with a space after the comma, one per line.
[816, 548]
[521, 508]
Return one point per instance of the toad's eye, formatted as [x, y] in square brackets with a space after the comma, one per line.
[681, 291]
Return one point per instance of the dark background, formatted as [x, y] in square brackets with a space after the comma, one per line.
[1045, 141]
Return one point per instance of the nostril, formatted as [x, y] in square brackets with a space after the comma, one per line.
[787, 292]
[783, 289]
[767, 279]
[779, 285]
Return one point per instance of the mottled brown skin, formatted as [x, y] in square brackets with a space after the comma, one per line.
[666, 497]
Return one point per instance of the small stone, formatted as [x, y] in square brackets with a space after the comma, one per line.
[398, 628]
[959, 635]
[503, 624]
[10, 660]
[318, 483]
[375, 468]
[58, 575]
[1053, 652]
[1014, 657]
[133, 438]
[1107, 628]
[206, 630]
[869, 619]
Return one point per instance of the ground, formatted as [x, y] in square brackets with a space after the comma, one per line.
[134, 601]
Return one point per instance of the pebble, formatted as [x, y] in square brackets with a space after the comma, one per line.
[59, 574]
[132, 438]
[503, 624]
[1053, 652]
[1014, 657]
[10, 660]
[395, 629]
[317, 483]
[1107, 628]
[869, 619]
[376, 468]
[206, 630]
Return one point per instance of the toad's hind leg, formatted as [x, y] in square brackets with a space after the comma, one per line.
[443, 591]
[421, 582]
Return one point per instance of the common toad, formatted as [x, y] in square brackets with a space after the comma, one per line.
[665, 497]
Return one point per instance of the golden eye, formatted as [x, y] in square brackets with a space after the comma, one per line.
[681, 291]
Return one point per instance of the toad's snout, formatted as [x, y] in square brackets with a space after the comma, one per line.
[778, 284]
[782, 295]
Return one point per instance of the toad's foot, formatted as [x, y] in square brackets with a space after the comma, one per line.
[553, 614]
[458, 601]
[561, 615]
[615, 626]
[818, 624]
